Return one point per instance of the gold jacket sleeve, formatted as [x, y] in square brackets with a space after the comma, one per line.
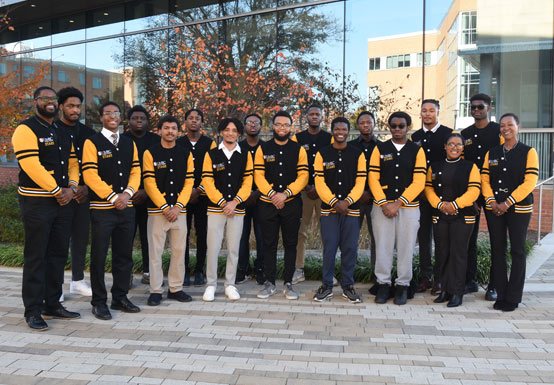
[358, 188]
[259, 174]
[301, 175]
[374, 176]
[212, 146]
[208, 184]
[90, 172]
[246, 187]
[530, 179]
[150, 184]
[293, 138]
[135, 174]
[25, 148]
[473, 189]
[323, 191]
[418, 182]
[73, 168]
[486, 189]
[430, 193]
[184, 195]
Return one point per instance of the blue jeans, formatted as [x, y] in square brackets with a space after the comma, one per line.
[339, 231]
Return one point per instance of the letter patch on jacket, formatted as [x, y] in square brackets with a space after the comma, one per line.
[105, 154]
[329, 165]
[219, 166]
[468, 142]
[493, 162]
[387, 157]
[269, 158]
[47, 141]
[161, 164]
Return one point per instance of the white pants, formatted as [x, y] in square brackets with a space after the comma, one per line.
[216, 228]
[157, 228]
[399, 232]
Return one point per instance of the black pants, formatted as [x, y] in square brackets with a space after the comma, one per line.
[198, 211]
[47, 228]
[365, 212]
[117, 226]
[515, 226]
[288, 221]
[80, 228]
[141, 218]
[251, 216]
[451, 240]
[424, 235]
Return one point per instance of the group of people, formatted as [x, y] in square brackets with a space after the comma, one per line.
[436, 182]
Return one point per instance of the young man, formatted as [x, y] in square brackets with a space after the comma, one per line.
[227, 181]
[48, 178]
[431, 137]
[168, 171]
[312, 140]
[479, 138]
[340, 177]
[112, 172]
[253, 125]
[70, 101]
[280, 172]
[396, 177]
[366, 142]
[139, 132]
[198, 145]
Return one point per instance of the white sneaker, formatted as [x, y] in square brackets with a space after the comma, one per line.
[80, 287]
[62, 298]
[232, 293]
[209, 294]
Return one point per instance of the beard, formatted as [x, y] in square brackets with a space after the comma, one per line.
[46, 113]
[281, 138]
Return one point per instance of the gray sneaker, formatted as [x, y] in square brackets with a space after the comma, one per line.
[335, 281]
[267, 291]
[289, 293]
[298, 276]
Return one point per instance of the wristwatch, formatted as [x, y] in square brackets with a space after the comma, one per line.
[73, 188]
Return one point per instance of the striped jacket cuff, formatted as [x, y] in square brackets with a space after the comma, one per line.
[404, 200]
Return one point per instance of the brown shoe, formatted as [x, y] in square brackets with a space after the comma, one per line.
[436, 290]
[423, 286]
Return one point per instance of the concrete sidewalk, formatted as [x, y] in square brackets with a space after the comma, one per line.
[277, 341]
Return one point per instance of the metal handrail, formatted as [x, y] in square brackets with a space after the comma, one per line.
[540, 186]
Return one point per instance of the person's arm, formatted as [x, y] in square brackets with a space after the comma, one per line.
[90, 173]
[418, 181]
[135, 174]
[530, 179]
[430, 193]
[324, 192]
[356, 192]
[208, 183]
[246, 186]
[259, 174]
[25, 146]
[150, 185]
[473, 189]
[301, 175]
[184, 195]
[486, 189]
[374, 176]
[73, 168]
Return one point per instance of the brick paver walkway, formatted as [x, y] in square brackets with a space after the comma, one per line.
[276, 341]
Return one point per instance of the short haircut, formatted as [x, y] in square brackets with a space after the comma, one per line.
[484, 97]
[365, 113]
[454, 135]
[199, 112]
[401, 115]
[314, 105]
[138, 108]
[256, 115]
[281, 113]
[508, 114]
[226, 121]
[434, 101]
[340, 119]
[69, 92]
[169, 119]
[108, 103]
[40, 89]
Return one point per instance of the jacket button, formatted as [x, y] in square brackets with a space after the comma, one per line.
[170, 182]
[120, 174]
[228, 185]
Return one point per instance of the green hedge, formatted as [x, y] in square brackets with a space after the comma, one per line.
[11, 227]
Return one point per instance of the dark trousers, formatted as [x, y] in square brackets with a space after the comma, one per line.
[451, 241]
[80, 228]
[288, 221]
[117, 226]
[365, 212]
[339, 231]
[251, 216]
[471, 274]
[198, 211]
[141, 219]
[424, 235]
[47, 228]
[515, 226]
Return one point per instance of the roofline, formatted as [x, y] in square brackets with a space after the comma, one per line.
[402, 35]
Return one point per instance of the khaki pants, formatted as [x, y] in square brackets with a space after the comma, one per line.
[158, 227]
[309, 206]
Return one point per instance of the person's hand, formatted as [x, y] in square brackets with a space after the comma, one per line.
[82, 194]
[65, 196]
[121, 201]
[195, 193]
[278, 200]
[139, 197]
[229, 208]
[311, 192]
[172, 213]
[391, 209]
[502, 208]
[449, 209]
[365, 198]
[251, 201]
[496, 209]
[341, 207]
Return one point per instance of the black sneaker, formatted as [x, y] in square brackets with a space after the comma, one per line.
[199, 279]
[401, 295]
[471, 287]
[324, 292]
[180, 296]
[350, 294]
[383, 293]
[154, 299]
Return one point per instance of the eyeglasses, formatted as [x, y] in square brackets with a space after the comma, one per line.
[457, 146]
[282, 125]
[112, 113]
[401, 126]
[252, 123]
[46, 99]
[477, 107]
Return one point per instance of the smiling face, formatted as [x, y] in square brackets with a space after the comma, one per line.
[454, 148]
[46, 103]
[230, 134]
[168, 132]
[398, 129]
[509, 128]
[110, 117]
[429, 114]
[71, 109]
[340, 132]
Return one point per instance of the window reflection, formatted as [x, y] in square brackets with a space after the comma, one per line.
[68, 29]
[105, 21]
